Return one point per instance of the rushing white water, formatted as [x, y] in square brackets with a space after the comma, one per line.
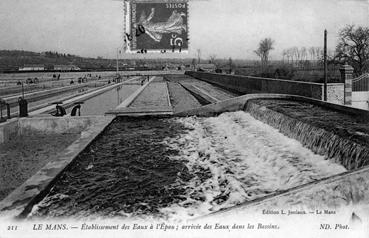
[236, 158]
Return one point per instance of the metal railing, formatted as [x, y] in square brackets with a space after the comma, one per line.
[361, 83]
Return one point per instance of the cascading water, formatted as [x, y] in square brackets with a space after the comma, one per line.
[181, 168]
[236, 158]
[332, 134]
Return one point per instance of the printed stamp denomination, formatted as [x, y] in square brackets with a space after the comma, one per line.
[156, 26]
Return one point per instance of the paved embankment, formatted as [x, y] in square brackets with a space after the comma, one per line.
[203, 91]
[171, 93]
[151, 98]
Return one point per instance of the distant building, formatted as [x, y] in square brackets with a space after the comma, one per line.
[66, 68]
[171, 67]
[32, 67]
[206, 67]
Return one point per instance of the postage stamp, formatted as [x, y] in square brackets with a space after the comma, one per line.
[156, 26]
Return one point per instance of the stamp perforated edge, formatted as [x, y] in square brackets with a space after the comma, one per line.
[127, 45]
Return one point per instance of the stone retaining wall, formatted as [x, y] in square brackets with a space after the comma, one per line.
[248, 84]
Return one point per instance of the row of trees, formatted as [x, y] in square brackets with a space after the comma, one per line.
[305, 57]
[352, 48]
[55, 54]
[295, 54]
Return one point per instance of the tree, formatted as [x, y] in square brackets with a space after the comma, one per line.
[290, 55]
[353, 47]
[312, 53]
[284, 55]
[265, 46]
[296, 54]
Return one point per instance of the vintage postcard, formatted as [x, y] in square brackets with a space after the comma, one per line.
[184, 118]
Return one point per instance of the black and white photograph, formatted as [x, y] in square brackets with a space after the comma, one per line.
[184, 118]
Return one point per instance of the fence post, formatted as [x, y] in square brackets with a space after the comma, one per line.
[8, 110]
[346, 78]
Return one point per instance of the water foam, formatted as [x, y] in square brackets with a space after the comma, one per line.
[235, 158]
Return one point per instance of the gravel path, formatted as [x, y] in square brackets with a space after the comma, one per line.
[24, 156]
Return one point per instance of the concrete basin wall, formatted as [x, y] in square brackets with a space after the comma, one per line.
[16, 126]
[248, 84]
[57, 125]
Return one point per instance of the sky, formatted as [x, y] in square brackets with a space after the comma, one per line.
[225, 28]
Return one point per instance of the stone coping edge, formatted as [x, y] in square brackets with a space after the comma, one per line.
[261, 78]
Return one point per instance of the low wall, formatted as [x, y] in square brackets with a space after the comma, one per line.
[239, 103]
[248, 84]
[54, 124]
[17, 126]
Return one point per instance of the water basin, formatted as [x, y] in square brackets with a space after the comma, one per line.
[181, 168]
[106, 101]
